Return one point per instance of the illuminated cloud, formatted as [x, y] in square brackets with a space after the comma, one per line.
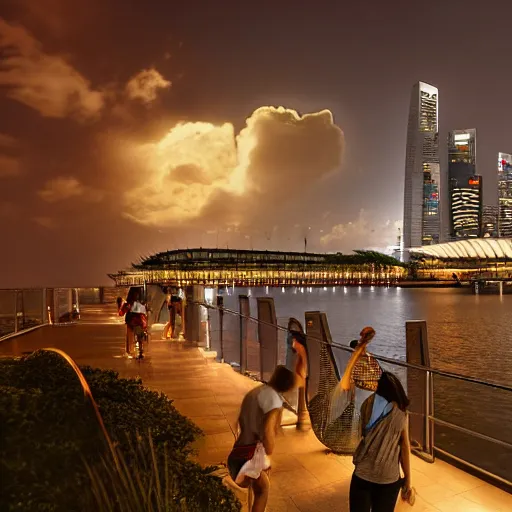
[144, 86]
[363, 233]
[44, 82]
[181, 172]
[68, 187]
[198, 173]
[9, 166]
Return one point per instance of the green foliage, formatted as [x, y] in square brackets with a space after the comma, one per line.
[360, 257]
[51, 445]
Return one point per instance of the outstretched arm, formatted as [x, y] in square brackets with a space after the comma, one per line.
[405, 455]
[347, 375]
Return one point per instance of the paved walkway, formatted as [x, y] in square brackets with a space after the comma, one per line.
[304, 478]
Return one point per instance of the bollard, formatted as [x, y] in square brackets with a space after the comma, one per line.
[220, 305]
[245, 311]
[420, 390]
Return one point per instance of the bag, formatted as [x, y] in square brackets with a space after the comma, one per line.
[366, 373]
[252, 468]
[342, 435]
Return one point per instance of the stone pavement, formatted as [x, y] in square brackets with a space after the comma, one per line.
[304, 477]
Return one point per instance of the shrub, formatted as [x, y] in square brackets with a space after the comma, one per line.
[51, 445]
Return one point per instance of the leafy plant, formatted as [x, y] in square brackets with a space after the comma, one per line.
[53, 456]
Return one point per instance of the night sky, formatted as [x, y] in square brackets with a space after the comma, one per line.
[130, 127]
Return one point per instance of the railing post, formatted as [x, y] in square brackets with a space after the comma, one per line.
[244, 308]
[420, 390]
[220, 305]
[428, 443]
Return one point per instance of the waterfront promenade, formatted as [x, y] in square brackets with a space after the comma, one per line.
[304, 478]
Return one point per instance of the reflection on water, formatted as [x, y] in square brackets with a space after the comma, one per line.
[468, 334]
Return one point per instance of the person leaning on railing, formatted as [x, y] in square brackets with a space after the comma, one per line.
[383, 448]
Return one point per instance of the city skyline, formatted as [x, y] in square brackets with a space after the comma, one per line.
[123, 135]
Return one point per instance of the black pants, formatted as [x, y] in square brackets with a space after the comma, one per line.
[369, 497]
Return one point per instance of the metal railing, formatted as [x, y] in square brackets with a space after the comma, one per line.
[22, 310]
[469, 410]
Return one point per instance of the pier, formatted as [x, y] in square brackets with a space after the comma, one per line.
[210, 392]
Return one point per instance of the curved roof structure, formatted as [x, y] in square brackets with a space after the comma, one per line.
[471, 248]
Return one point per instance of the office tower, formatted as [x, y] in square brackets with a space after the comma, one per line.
[422, 220]
[464, 185]
[489, 227]
[505, 194]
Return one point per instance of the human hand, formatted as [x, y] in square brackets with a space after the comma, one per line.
[367, 335]
[408, 493]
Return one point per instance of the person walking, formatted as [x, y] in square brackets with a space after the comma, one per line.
[259, 422]
[135, 314]
[383, 448]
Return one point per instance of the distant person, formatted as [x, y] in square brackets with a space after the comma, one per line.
[384, 447]
[299, 347]
[174, 326]
[259, 422]
[135, 314]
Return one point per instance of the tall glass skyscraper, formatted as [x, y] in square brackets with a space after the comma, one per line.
[422, 218]
[465, 186]
[490, 215]
[505, 194]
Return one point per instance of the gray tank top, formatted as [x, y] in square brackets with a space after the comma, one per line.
[377, 458]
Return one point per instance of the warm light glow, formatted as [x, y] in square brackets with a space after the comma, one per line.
[197, 164]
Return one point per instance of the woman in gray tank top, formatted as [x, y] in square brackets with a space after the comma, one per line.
[384, 447]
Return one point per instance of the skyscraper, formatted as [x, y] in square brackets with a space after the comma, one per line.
[422, 219]
[505, 194]
[490, 214]
[465, 186]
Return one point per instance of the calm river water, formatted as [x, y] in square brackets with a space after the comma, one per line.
[468, 334]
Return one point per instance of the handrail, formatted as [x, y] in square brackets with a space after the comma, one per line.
[88, 397]
[403, 364]
[429, 417]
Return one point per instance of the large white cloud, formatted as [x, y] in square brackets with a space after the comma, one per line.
[200, 173]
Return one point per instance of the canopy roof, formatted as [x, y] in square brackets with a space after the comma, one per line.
[471, 248]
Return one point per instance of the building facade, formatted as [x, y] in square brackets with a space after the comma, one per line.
[505, 194]
[422, 216]
[464, 185]
[242, 268]
[490, 221]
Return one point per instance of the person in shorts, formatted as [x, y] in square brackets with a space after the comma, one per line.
[259, 421]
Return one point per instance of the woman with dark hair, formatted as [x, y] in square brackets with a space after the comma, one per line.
[259, 422]
[384, 447]
[135, 314]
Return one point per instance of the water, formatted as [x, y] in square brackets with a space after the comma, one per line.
[468, 334]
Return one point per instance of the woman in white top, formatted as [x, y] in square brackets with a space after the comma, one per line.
[260, 418]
